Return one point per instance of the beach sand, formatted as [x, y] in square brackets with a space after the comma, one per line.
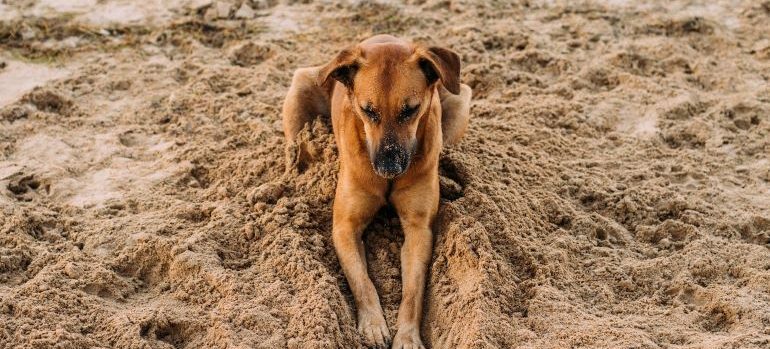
[612, 190]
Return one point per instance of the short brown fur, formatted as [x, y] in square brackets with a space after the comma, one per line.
[393, 106]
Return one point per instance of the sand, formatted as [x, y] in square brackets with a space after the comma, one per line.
[612, 191]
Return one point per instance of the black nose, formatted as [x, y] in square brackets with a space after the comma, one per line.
[391, 161]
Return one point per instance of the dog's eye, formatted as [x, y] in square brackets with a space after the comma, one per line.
[407, 112]
[370, 113]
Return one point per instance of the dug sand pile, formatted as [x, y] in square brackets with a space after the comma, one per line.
[613, 189]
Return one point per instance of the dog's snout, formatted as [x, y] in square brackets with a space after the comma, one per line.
[391, 160]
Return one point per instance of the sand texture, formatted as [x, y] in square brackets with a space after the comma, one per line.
[612, 191]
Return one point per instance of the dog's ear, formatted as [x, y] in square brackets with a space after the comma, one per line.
[440, 63]
[342, 68]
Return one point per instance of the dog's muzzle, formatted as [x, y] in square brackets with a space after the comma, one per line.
[391, 161]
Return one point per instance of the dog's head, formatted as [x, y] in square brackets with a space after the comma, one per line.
[390, 86]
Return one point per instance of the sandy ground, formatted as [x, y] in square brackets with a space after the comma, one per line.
[613, 190]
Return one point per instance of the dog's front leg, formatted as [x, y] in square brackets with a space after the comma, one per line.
[416, 206]
[353, 209]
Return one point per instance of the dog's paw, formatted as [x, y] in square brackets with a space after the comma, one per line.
[373, 328]
[407, 339]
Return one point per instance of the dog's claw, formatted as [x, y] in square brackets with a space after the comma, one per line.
[407, 339]
[374, 329]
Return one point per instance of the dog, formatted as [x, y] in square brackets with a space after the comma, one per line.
[393, 105]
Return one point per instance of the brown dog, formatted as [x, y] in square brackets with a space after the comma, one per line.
[393, 106]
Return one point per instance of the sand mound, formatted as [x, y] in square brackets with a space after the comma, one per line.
[613, 189]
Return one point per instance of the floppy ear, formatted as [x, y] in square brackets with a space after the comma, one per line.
[342, 68]
[440, 63]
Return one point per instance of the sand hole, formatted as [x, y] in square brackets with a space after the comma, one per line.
[99, 291]
[47, 100]
[24, 188]
[233, 260]
[716, 320]
[166, 331]
[199, 177]
[452, 180]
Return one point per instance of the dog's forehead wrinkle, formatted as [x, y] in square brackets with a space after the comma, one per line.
[387, 50]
